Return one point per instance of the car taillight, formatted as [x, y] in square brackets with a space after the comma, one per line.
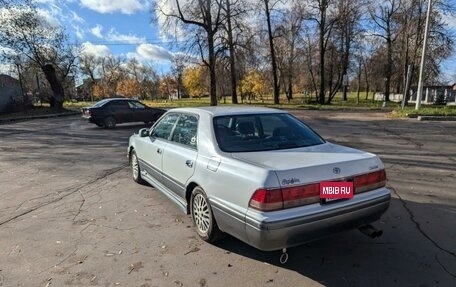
[280, 198]
[301, 195]
[267, 199]
[369, 181]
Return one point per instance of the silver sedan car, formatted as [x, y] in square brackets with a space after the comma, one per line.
[258, 174]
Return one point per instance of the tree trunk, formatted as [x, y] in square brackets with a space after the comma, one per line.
[213, 82]
[56, 101]
[234, 99]
[290, 72]
[290, 88]
[346, 60]
[321, 45]
[389, 64]
[273, 58]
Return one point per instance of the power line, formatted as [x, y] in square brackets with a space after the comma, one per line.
[129, 43]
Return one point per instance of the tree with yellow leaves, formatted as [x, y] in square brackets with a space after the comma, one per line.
[252, 85]
[195, 81]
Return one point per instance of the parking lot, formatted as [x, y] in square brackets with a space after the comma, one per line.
[70, 214]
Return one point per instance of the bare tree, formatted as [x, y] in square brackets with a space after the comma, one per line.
[234, 13]
[205, 15]
[383, 15]
[276, 88]
[289, 30]
[111, 73]
[178, 66]
[88, 65]
[411, 19]
[346, 28]
[325, 23]
[32, 37]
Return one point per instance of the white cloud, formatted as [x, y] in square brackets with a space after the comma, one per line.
[78, 31]
[96, 31]
[76, 18]
[98, 51]
[49, 2]
[115, 36]
[111, 6]
[48, 17]
[168, 30]
[150, 52]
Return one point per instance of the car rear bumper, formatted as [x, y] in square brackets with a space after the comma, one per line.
[291, 227]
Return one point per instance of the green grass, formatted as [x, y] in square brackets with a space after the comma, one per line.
[432, 110]
[301, 102]
[298, 101]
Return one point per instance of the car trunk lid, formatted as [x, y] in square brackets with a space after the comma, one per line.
[313, 164]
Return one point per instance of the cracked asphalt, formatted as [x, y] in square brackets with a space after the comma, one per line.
[70, 215]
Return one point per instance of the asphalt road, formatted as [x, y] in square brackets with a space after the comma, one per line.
[70, 215]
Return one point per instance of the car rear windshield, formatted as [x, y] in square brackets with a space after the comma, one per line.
[262, 132]
[100, 103]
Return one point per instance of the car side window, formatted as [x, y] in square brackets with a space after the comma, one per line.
[136, 105]
[119, 105]
[165, 126]
[186, 130]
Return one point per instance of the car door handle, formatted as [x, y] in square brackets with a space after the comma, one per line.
[159, 150]
[189, 163]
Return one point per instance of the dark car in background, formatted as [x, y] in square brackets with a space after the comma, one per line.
[109, 112]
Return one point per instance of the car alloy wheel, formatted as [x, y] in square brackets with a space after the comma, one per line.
[136, 171]
[201, 213]
[202, 216]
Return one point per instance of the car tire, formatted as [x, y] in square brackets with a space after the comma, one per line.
[202, 216]
[109, 122]
[135, 169]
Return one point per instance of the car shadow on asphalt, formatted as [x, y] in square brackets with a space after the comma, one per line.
[402, 256]
[134, 127]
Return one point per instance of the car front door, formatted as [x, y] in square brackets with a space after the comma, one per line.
[180, 155]
[140, 112]
[121, 111]
[150, 149]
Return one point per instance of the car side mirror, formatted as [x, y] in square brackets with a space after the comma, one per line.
[144, 132]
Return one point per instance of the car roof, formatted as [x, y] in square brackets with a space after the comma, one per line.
[228, 110]
[118, 99]
[103, 102]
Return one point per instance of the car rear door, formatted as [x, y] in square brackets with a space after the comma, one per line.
[150, 149]
[180, 154]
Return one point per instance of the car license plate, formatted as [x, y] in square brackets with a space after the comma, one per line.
[335, 190]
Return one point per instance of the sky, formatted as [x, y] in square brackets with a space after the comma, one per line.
[124, 27]
[117, 27]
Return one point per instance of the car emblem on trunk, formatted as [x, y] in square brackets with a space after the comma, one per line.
[336, 170]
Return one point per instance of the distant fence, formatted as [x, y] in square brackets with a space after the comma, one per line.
[431, 95]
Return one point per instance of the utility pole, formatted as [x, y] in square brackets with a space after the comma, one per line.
[423, 56]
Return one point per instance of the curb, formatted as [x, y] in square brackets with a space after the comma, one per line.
[34, 117]
[436, 118]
